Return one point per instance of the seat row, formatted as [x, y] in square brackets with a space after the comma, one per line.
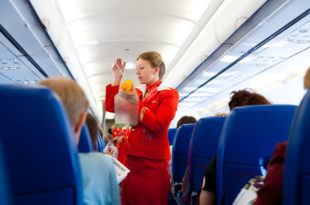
[241, 140]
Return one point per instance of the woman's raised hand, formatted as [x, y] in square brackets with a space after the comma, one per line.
[118, 71]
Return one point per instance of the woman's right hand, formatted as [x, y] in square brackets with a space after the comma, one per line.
[118, 71]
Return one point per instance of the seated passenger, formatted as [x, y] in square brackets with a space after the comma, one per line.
[99, 180]
[182, 121]
[93, 129]
[239, 98]
[271, 191]
[186, 120]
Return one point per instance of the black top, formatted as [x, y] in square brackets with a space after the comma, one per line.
[210, 176]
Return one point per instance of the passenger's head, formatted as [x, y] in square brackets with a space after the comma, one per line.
[110, 130]
[245, 97]
[307, 79]
[73, 99]
[220, 114]
[186, 120]
[150, 67]
[93, 129]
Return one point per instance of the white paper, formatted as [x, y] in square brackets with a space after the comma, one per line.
[120, 169]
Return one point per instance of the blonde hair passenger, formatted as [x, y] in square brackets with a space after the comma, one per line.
[96, 167]
[71, 95]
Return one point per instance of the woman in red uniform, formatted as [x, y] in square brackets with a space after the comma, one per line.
[148, 154]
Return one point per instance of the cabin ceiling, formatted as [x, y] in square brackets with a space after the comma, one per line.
[103, 30]
[200, 41]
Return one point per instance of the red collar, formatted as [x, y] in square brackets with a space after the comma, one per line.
[149, 87]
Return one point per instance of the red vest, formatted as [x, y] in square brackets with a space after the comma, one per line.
[149, 138]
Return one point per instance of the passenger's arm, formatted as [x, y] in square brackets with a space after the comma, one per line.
[207, 194]
[271, 191]
[165, 113]
[206, 197]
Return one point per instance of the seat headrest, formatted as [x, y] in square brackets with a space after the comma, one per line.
[248, 129]
[171, 135]
[182, 139]
[100, 144]
[206, 136]
[297, 162]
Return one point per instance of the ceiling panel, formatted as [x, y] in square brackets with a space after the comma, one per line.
[131, 27]
[106, 52]
[13, 67]
[279, 61]
[187, 9]
[103, 30]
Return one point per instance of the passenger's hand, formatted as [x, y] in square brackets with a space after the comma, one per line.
[110, 152]
[118, 71]
[118, 140]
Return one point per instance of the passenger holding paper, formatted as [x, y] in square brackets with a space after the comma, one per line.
[148, 146]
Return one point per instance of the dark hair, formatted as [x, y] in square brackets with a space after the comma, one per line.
[93, 129]
[186, 120]
[245, 97]
[110, 130]
[155, 60]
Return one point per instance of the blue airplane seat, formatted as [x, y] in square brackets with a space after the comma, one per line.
[203, 147]
[100, 144]
[5, 197]
[39, 146]
[249, 133]
[296, 186]
[171, 134]
[85, 144]
[180, 151]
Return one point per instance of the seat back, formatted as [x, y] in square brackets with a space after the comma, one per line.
[296, 186]
[100, 143]
[203, 147]
[180, 151]
[5, 197]
[171, 134]
[85, 144]
[249, 133]
[39, 147]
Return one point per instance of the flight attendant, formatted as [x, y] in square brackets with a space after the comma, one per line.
[148, 146]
